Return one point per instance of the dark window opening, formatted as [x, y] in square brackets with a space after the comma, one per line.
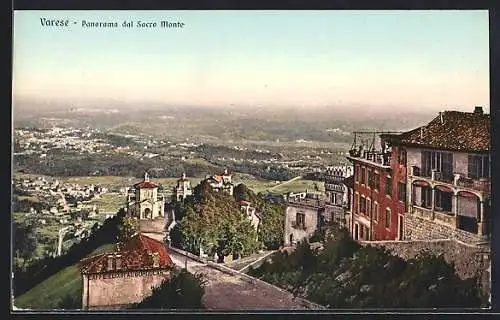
[362, 205]
[468, 224]
[376, 181]
[442, 162]
[387, 218]
[370, 179]
[300, 219]
[443, 200]
[402, 192]
[479, 166]
[388, 186]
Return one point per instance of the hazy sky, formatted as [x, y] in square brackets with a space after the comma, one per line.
[424, 59]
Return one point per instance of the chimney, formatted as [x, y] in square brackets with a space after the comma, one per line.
[421, 132]
[478, 110]
[441, 117]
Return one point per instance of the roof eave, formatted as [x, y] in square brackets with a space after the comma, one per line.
[426, 146]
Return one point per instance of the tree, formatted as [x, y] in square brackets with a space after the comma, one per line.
[272, 224]
[347, 275]
[70, 302]
[127, 228]
[25, 243]
[271, 227]
[242, 192]
[216, 224]
[182, 291]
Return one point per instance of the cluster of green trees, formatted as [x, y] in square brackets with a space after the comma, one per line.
[24, 205]
[59, 163]
[346, 275]
[62, 163]
[24, 244]
[214, 222]
[182, 291]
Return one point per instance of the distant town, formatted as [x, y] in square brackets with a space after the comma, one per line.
[409, 192]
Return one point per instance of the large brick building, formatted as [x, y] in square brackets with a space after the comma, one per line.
[126, 276]
[448, 189]
[377, 198]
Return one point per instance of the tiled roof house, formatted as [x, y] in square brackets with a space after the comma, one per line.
[125, 276]
[448, 169]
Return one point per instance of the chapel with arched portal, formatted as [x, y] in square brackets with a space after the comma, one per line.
[145, 202]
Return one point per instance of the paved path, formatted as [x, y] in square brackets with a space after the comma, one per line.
[255, 260]
[231, 292]
[225, 291]
[283, 183]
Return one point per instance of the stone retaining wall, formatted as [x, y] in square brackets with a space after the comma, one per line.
[418, 228]
[468, 260]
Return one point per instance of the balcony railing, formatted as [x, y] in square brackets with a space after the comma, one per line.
[481, 184]
[378, 157]
[457, 180]
[333, 187]
[307, 202]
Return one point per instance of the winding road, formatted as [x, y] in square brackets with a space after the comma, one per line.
[228, 290]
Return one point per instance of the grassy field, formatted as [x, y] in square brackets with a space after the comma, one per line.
[19, 216]
[48, 294]
[256, 185]
[109, 202]
[28, 198]
[107, 181]
[299, 186]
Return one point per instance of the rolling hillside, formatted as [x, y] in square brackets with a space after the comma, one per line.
[65, 283]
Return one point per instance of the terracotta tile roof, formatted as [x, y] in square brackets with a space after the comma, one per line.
[145, 185]
[137, 254]
[217, 178]
[459, 131]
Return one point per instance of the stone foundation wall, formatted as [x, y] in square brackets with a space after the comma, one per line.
[417, 228]
[155, 225]
[469, 260]
[118, 291]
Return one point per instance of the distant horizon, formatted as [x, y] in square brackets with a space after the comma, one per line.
[58, 104]
[418, 61]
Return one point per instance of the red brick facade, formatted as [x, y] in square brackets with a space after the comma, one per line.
[377, 208]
